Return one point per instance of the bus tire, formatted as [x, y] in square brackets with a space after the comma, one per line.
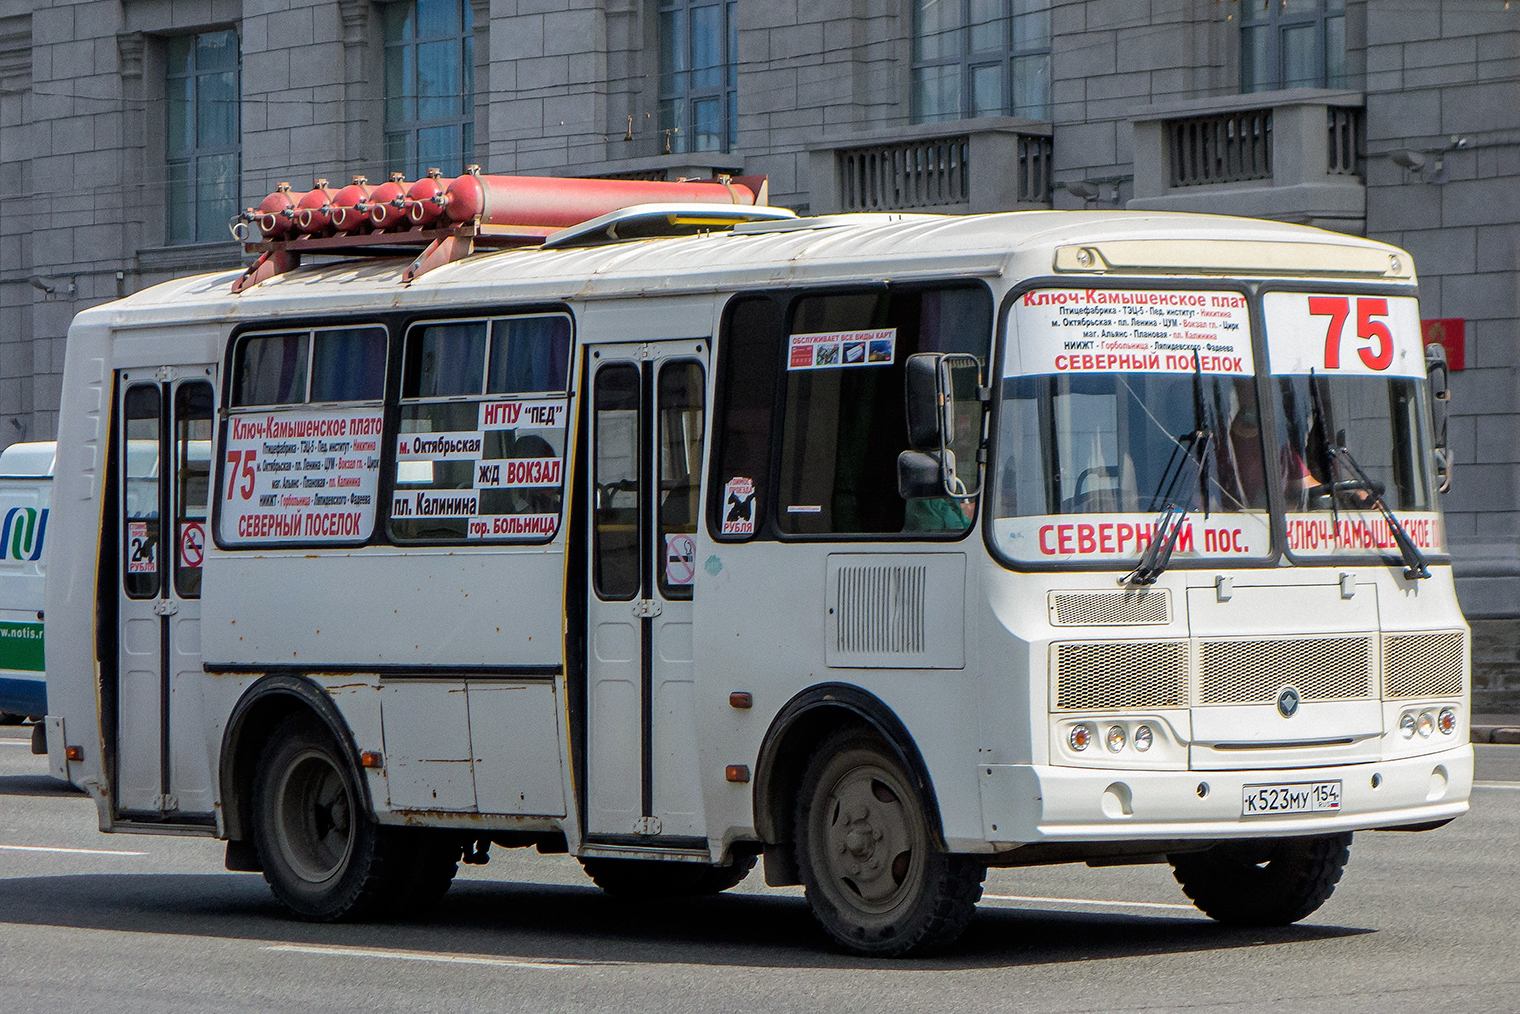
[423, 865]
[653, 878]
[873, 876]
[1263, 883]
[322, 854]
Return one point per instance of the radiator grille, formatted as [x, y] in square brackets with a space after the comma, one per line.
[1121, 674]
[881, 609]
[1251, 672]
[1116, 608]
[1422, 665]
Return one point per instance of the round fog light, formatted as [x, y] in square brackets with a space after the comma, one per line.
[1143, 738]
[1079, 738]
[1116, 738]
[1446, 721]
[1426, 724]
[1406, 725]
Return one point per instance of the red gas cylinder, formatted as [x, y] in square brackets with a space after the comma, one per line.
[312, 210]
[275, 215]
[378, 209]
[349, 208]
[559, 203]
[424, 200]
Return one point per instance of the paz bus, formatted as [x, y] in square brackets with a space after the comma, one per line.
[880, 548]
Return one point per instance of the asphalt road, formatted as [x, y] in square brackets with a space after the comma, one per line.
[121, 923]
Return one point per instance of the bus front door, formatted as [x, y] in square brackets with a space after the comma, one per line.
[163, 460]
[647, 415]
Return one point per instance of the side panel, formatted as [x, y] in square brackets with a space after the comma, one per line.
[515, 733]
[427, 745]
[23, 532]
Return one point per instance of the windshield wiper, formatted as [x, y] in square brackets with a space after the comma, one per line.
[1194, 446]
[1414, 561]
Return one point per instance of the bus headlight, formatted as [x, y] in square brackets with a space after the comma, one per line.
[1079, 738]
[1446, 721]
[1406, 725]
[1115, 738]
[1426, 725]
[1143, 738]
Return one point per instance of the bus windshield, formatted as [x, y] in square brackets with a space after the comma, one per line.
[1117, 406]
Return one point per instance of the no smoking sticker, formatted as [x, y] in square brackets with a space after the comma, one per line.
[192, 545]
[680, 559]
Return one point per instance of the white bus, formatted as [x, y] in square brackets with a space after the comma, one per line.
[887, 548]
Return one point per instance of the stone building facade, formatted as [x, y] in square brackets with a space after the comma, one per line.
[131, 129]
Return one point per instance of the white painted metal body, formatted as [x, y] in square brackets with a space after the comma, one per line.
[499, 754]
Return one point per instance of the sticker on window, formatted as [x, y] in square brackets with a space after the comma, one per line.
[840, 349]
[680, 559]
[739, 507]
[1110, 331]
[142, 549]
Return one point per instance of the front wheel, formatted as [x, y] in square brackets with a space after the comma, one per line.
[872, 874]
[1272, 882]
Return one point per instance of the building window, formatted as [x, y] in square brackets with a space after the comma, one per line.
[699, 75]
[429, 86]
[1292, 44]
[980, 58]
[204, 135]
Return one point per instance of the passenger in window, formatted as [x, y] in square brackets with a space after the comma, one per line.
[938, 514]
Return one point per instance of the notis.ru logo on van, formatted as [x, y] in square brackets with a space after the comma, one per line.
[21, 533]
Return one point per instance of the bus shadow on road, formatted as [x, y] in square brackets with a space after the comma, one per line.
[581, 925]
[36, 785]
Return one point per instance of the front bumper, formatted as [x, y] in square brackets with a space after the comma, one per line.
[1040, 803]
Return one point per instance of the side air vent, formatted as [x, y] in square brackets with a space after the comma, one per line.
[1109, 608]
[881, 609]
[895, 611]
[1422, 665]
[1121, 674]
[1253, 672]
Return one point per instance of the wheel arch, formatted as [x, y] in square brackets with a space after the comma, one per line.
[262, 707]
[795, 733]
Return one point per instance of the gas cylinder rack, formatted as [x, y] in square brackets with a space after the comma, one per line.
[450, 219]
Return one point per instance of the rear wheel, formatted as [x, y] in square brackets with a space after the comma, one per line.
[1263, 883]
[652, 878]
[322, 854]
[875, 880]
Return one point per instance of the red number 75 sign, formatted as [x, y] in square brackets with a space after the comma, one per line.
[1377, 335]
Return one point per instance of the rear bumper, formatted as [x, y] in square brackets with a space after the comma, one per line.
[1040, 803]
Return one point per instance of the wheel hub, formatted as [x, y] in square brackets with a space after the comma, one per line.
[869, 840]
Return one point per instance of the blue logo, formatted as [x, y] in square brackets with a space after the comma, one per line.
[22, 532]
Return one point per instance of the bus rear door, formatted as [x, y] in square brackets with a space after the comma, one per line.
[648, 411]
[162, 770]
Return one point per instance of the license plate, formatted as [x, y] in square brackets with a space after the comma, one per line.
[1298, 797]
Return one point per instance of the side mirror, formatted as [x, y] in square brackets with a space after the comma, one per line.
[945, 407]
[1439, 377]
[919, 475]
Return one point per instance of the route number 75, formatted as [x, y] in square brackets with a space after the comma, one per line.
[246, 460]
[1338, 308]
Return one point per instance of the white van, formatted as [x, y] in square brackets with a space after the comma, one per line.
[26, 480]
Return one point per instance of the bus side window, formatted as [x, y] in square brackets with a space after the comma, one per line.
[615, 517]
[680, 471]
[749, 367]
[142, 409]
[845, 424]
[192, 478]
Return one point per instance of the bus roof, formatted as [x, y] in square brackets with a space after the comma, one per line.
[819, 250]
